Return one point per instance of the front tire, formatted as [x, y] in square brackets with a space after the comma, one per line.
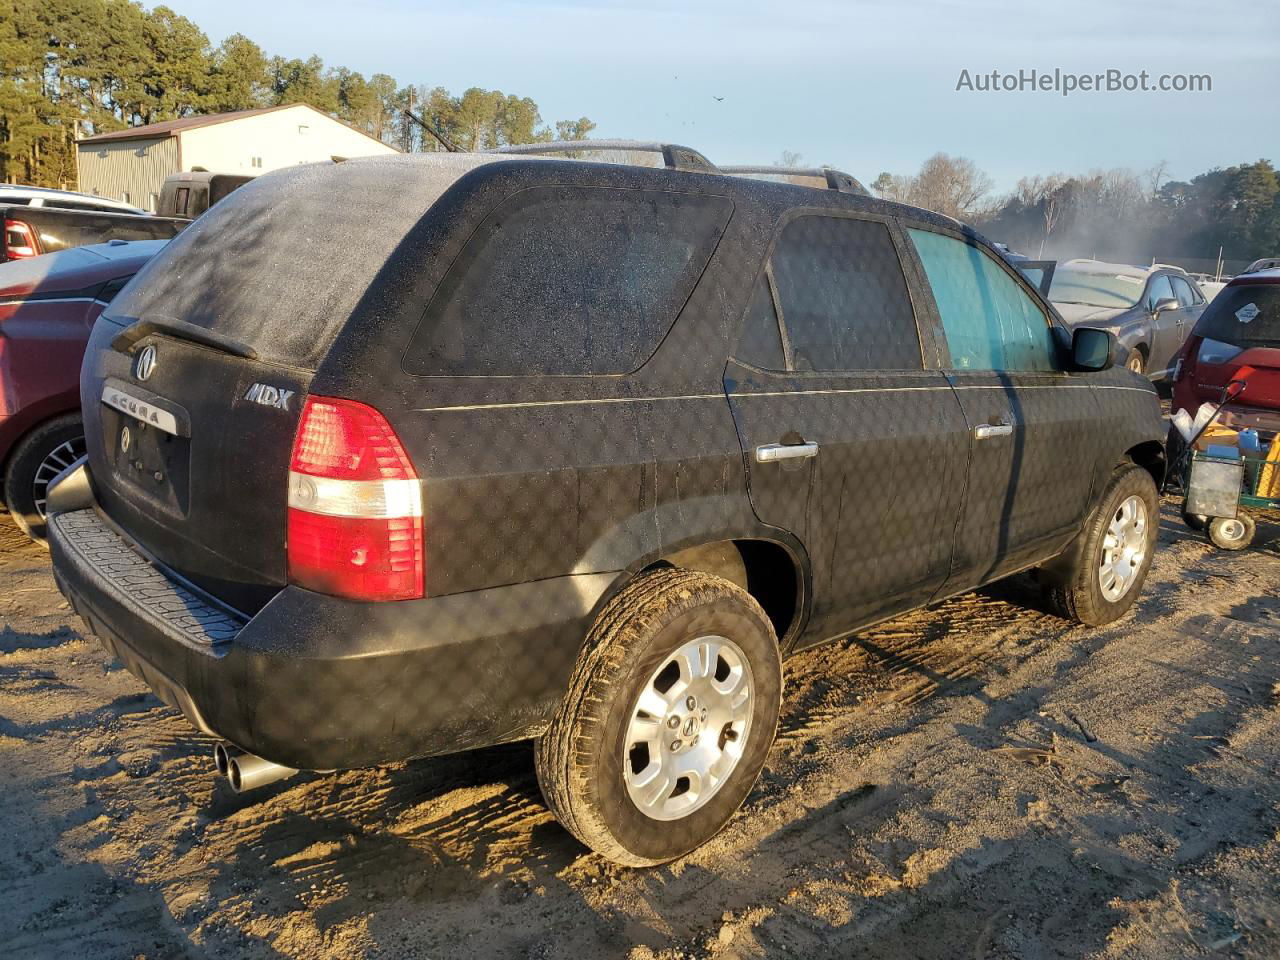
[671, 710]
[1101, 574]
[39, 457]
[1136, 362]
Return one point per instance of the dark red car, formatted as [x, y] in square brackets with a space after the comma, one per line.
[47, 307]
[1236, 338]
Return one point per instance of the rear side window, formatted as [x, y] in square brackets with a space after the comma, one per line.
[1182, 290]
[761, 341]
[843, 299]
[565, 281]
[989, 321]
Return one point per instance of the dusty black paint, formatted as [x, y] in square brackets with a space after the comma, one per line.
[545, 495]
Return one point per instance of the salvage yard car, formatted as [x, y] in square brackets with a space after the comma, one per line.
[47, 308]
[48, 198]
[1237, 339]
[1151, 310]
[34, 231]
[575, 452]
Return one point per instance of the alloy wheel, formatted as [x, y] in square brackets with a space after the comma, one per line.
[688, 728]
[57, 460]
[1124, 548]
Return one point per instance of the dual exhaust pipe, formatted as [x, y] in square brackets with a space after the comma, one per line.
[246, 772]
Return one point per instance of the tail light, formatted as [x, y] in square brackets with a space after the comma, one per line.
[1184, 361]
[20, 240]
[355, 505]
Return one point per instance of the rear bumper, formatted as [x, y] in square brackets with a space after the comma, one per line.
[316, 682]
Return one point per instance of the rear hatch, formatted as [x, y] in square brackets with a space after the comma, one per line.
[196, 376]
[1239, 337]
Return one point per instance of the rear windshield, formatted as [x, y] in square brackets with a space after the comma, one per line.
[282, 263]
[1247, 316]
[563, 281]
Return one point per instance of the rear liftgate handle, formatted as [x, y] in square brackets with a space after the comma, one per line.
[769, 452]
[985, 431]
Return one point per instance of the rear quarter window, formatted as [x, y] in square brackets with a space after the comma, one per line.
[565, 281]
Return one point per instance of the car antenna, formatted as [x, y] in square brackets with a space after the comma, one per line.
[444, 141]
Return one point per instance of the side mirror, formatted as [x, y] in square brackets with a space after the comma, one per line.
[1165, 303]
[1093, 349]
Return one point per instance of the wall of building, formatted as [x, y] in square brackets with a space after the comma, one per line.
[268, 141]
[128, 170]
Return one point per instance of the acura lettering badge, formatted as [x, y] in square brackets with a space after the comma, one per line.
[144, 364]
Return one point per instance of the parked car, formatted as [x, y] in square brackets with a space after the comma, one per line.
[63, 200]
[1210, 284]
[1266, 263]
[575, 452]
[47, 307]
[1149, 309]
[1237, 338]
[192, 193]
[35, 231]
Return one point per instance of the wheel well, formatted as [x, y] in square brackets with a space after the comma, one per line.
[764, 569]
[1150, 456]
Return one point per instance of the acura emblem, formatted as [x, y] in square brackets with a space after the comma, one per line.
[144, 364]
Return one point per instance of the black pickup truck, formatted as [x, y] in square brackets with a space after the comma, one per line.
[31, 231]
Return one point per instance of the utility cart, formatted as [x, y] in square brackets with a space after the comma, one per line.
[1230, 467]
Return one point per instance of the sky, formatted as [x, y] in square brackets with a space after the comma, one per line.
[866, 87]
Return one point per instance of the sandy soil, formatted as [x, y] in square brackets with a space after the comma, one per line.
[979, 780]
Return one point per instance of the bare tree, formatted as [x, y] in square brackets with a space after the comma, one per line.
[949, 185]
[893, 186]
[1048, 195]
[1156, 176]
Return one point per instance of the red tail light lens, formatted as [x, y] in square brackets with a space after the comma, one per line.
[20, 240]
[355, 505]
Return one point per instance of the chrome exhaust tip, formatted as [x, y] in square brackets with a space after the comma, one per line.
[246, 772]
[221, 758]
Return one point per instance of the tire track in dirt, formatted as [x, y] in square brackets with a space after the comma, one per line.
[932, 794]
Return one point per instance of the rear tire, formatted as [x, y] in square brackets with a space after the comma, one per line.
[606, 765]
[39, 457]
[1100, 575]
[1232, 533]
[1195, 521]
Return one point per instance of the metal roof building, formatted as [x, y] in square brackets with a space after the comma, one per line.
[130, 165]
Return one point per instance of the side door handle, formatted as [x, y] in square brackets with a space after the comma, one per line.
[769, 452]
[985, 431]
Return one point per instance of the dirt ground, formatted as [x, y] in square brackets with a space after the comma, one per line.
[978, 780]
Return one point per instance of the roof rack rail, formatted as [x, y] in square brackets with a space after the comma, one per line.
[674, 156]
[835, 179]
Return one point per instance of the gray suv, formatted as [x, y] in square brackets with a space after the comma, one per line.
[1151, 310]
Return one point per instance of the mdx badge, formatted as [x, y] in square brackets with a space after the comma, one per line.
[269, 396]
[144, 364]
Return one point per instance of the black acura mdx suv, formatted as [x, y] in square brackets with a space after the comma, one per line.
[501, 448]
